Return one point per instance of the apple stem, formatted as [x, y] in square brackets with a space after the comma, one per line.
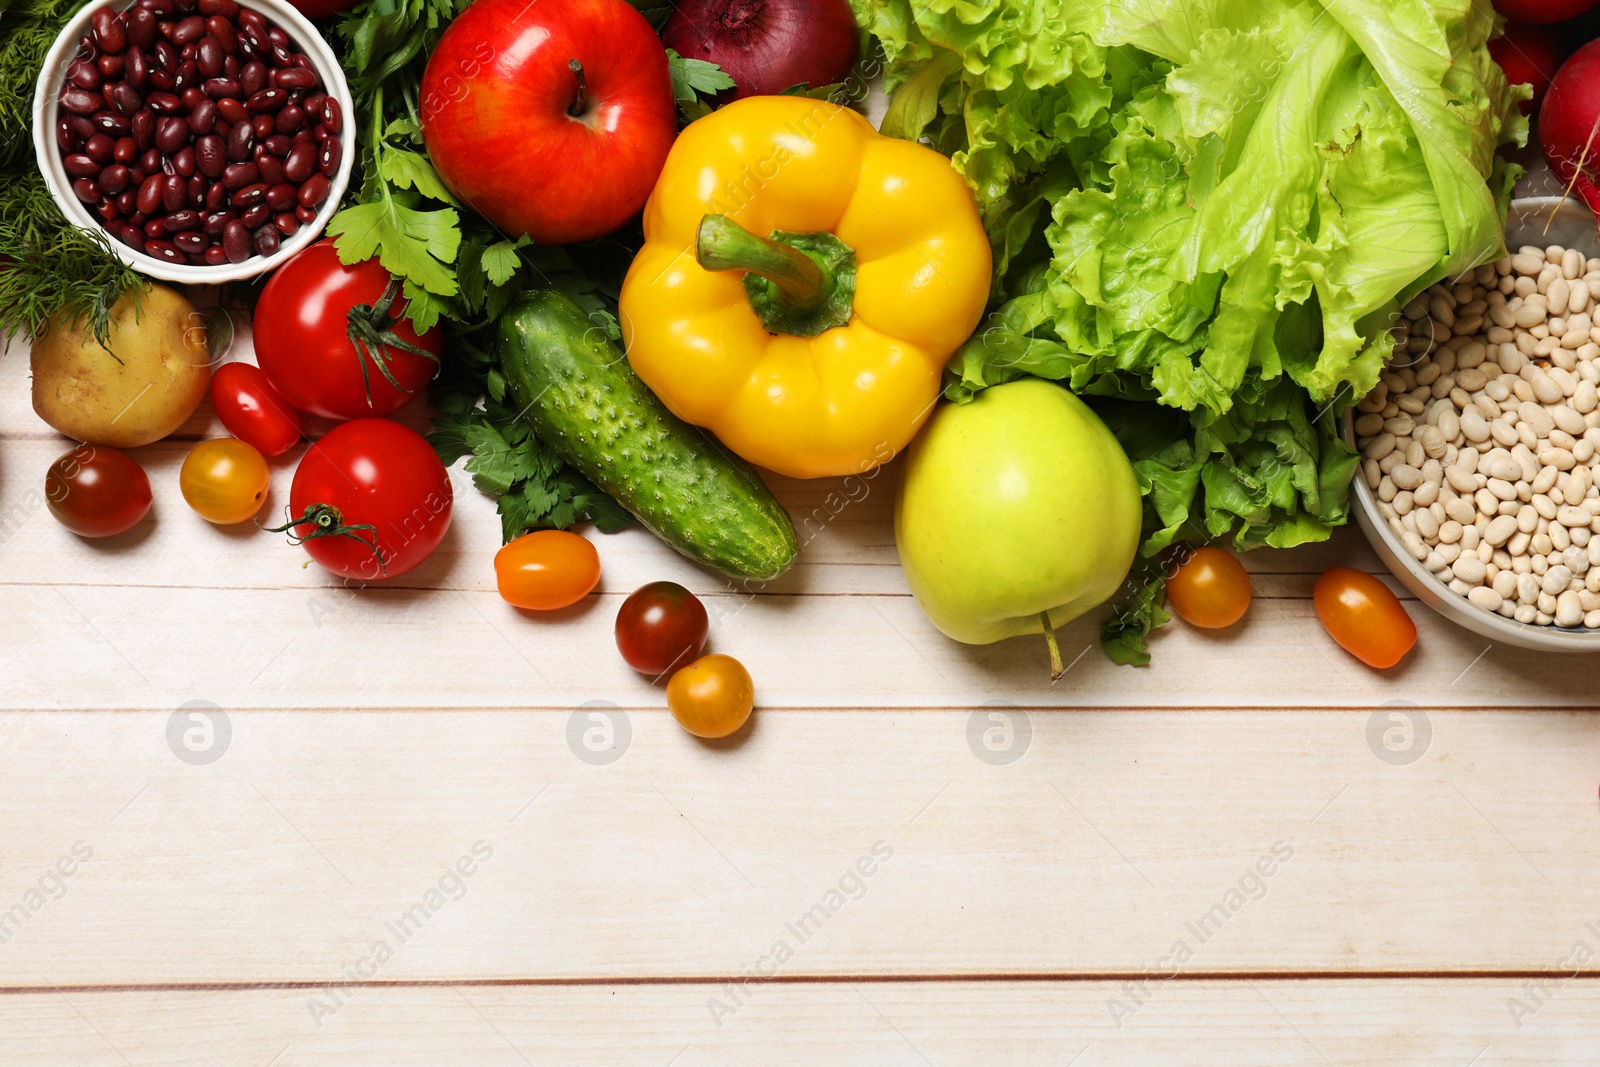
[1056, 669]
[579, 102]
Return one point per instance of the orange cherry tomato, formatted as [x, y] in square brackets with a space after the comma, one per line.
[546, 569]
[1211, 590]
[224, 480]
[712, 696]
[1364, 617]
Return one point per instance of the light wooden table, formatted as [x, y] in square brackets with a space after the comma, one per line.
[1060, 874]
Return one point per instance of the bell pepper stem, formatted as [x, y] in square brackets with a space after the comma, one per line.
[722, 244]
[1056, 669]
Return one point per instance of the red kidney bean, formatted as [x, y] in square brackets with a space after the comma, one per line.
[109, 33]
[80, 165]
[107, 210]
[128, 200]
[150, 162]
[314, 191]
[154, 230]
[87, 49]
[87, 190]
[240, 142]
[165, 27]
[166, 103]
[166, 56]
[197, 192]
[209, 58]
[109, 122]
[266, 100]
[172, 133]
[280, 198]
[124, 150]
[330, 158]
[164, 250]
[174, 192]
[277, 36]
[249, 196]
[253, 217]
[114, 179]
[215, 256]
[216, 197]
[305, 136]
[253, 77]
[203, 117]
[289, 119]
[293, 78]
[280, 54]
[189, 51]
[231, 110]
[141, 28]
[183, 161]
[189, 30]
[67, 139]
[278, 145]
[231, 67]
[332, 116]
[193, 98]
[271, 169]
[99, 148]
[258, 42]
[301, 161]
[211, 155]
[221, 31]
[84, 75]
[307, 215]
[81, 101]
[137, 69]
[239, 175]
[224, 8]
[220, 88]
[81, 126]
[160, 7]
[215, 222]
[181, 221]
[286, 224]
[132, 236]
[263, 125]
[312, 104]
[150, 194]
[125, 98]
[236, 242]
[191, 243]
[159, 80]
[111, 66]
[187, 74]
[265, 240]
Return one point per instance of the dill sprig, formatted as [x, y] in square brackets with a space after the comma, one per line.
[49, 267]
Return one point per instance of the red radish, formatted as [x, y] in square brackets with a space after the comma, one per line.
[1543, 11]
[1530, 55]
[1569, 124]
[767, 46]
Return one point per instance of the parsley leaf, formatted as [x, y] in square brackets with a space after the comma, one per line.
[693, 78]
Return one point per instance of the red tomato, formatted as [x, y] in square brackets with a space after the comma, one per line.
[370, 485]
[321, 9]
[660, 628]
[1365, 618]
[96, 491]
[325, 333]
[1210, 590]
[253, 411]
[1542, 10]
[546, 569]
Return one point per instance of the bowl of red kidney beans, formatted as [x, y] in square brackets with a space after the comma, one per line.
[209, 140]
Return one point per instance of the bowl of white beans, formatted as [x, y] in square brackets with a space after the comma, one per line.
[1480, 446]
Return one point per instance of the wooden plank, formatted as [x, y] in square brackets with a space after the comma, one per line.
[1114, 837]
[1243, 1024]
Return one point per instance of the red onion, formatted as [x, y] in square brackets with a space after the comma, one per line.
[767, 46]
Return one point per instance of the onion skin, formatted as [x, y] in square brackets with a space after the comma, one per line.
[767, 46]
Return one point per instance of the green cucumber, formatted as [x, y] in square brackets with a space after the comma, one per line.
[583, 400]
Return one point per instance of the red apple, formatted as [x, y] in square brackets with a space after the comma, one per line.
[1529, 54]
[550, 118]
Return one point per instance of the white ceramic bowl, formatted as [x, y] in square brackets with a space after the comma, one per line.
[1571, 225]
[45, 109]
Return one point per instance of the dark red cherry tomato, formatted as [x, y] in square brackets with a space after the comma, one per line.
[329, 337]
[661, 628]
[253, 411]
[370, 490]
[97, 491]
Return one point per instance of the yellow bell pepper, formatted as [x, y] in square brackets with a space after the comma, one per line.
[803, 281]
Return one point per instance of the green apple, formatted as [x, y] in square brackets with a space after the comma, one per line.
[1015, 508]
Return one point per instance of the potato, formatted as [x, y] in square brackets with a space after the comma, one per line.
[84, 392]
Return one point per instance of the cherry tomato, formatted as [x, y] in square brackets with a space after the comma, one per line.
[308, 321]
[546, 569]
[370, 490]
[661, 627]
[97, 491]
[712, 696]
[224, 480]
[1210, 590]
[253, 411]
[1364, 617]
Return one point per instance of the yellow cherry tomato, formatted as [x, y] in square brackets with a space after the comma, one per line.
[1211, 590]
[546, 569]
[224, 480]
[712, 696]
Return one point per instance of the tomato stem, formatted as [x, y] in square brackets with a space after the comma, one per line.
[326, 521]
[1056, 669]
[370, 328]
